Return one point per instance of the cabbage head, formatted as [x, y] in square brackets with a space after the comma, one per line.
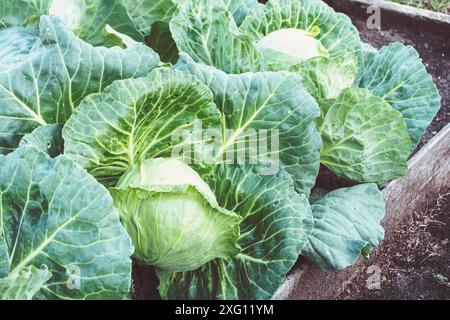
[173, 217]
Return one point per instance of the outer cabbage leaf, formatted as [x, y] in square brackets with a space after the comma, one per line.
[24, 285]
[346, 225]
[160, 38]
[135, 119]
[396, 74]
[87, 18]
[22, 12]
[364, 138]
[47, 139]
[326, 78]
[367, 51]
[207, 31]
[55, 214]
[146, 12]
[59, 72]
[240, 9]
[275, 226]
[16, 46]
[268, 101]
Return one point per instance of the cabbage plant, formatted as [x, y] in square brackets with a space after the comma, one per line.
[275, 220]
[60, 234]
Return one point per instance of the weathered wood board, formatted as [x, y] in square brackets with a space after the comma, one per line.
[417, 13]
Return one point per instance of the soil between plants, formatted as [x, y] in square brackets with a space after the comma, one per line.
[145, 282]
[417, 264]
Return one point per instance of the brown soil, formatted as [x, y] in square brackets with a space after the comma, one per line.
[145, 283]
[416, 265]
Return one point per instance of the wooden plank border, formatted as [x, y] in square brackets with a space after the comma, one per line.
[428, 173]
[396, 15]
[417, 13]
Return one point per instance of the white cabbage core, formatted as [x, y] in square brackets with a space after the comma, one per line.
[290, 46]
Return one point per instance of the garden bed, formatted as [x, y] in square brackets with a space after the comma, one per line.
[428, 175]
[143, 132]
